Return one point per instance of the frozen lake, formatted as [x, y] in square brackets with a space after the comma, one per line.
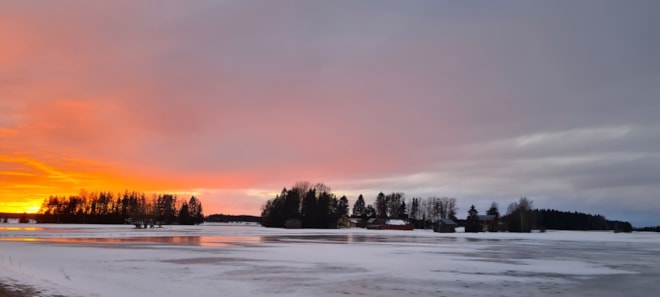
[244, 260]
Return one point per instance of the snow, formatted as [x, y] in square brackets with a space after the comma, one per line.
[248, 260]
[397, 222]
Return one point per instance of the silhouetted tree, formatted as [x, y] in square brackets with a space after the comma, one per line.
[371, 211]
[326, 211]
[310, 210]
[393, 203]
[402, 211]
[381, 206]
[268, 216]
[414, 209]
[414, 213]
[359, 208]
[196, 212]
[494, 211]
[165, 209]
[318, 208]
[472, 223]
[184, 215]
[108, 208]
[520, 216]
[435, 208]
[342, 207]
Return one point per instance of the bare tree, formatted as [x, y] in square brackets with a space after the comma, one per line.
[520, 215]
[393, 202]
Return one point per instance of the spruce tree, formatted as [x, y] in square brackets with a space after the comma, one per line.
[472, 223]
[493, 211]
[371, 211]
[402, 211]
[359, 208]
[381, 205]
[184, 215]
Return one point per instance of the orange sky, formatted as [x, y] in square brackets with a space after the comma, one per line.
[233, 100]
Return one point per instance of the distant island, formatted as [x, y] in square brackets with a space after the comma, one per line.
[308, 205]
[129, 207]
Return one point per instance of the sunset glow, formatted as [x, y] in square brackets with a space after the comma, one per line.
[232, 101]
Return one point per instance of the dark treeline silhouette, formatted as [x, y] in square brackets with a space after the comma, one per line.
[424, 213]
[222, 218]
[392, 206]
[421, 213]
[522, 217]
[305, 206]
[649, 229]
[563, 220]
[128, 207]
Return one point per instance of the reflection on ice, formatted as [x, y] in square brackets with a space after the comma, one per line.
[21, 229]
[207, 241]
[366, 238]
[206, 236]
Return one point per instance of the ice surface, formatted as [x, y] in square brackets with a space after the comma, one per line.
[248, 260]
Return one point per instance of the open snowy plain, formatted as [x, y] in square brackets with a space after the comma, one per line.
[243, 260]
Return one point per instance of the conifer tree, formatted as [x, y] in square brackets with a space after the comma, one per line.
[494, 211]
[472, 223]
[184, 215]
[359, 208]
[381, 206]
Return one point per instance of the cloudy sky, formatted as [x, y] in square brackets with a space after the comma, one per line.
[233, 100]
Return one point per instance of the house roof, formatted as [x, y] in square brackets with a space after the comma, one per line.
[396, 222]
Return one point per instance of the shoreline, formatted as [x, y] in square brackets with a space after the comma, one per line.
[16, 290]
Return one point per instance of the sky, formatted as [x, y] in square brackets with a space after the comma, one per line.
[484, 101]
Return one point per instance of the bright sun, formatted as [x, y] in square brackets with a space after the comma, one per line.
[32, 209]
[28, 207]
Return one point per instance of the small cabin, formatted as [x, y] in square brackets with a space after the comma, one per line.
[385, 224]
[445, 226]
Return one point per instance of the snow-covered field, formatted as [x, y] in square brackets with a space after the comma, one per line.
[245, 260]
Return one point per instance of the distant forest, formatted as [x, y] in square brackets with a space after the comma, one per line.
[128, 207]
[313, 206]
[563, 220]
[222, 218]
[305, 206]
[649, 229]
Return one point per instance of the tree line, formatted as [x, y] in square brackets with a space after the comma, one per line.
[649, 229]
[223, 218]
[305, 206]
[421, 212]
[522, 217]
[128, 207]
[314, 206]
[563, 220]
